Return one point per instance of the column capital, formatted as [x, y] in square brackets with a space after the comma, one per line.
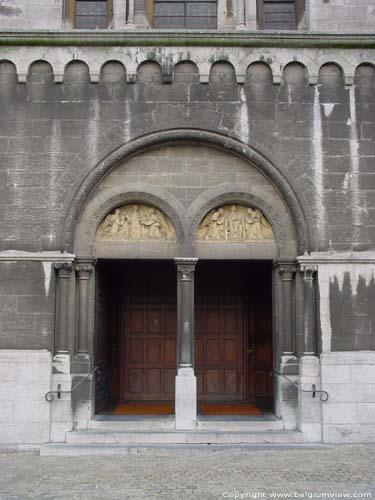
[308, 271]
[63, 269]
[287, 271]
[84, 267]
[185, 264]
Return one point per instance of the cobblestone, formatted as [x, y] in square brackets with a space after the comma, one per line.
[193, 474]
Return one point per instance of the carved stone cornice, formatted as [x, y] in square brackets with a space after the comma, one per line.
[63, 269]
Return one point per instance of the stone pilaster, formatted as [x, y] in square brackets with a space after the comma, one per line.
[186, 384]
[63, 275]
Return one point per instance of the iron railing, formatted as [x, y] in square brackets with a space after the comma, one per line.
[324, 396]
[50, 395]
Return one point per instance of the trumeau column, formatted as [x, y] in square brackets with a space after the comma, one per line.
[186, 384]
[63, 275]
[84, 269]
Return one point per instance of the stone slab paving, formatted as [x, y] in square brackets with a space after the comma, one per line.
[199, 473]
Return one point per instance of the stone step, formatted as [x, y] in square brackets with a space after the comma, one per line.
[168, 424]
[71, 450]
[92, 437]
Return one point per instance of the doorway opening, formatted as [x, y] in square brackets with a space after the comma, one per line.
[136, 336]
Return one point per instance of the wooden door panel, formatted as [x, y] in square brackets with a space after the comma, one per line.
[169, 381]
[198, 321]
[219, 360]
[213, 385]
[230, 381]
[170, 321]
[136, 320]
[170, 352]
[213, 321]
[230, 321]
[153, 351]
[135, 350]
[213, 352]
[230, 351]
[149, 337]
[135, 378]
[198, 352]
[153, 321]
[153, 381]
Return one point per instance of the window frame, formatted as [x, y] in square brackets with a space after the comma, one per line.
[70, 13]
[299, 6]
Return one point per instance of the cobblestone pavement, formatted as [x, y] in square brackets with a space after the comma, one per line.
[198, 473]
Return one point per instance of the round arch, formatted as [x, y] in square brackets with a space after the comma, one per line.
[280, 180]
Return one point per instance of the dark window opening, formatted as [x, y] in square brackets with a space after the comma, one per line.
[278, 15]
[180, 14]
[91, 14]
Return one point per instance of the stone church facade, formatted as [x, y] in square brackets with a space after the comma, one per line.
[187, 213]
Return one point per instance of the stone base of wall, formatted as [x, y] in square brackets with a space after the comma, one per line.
[349, 414]
[24, 413]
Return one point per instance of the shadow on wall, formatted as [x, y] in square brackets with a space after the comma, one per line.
[352, 314]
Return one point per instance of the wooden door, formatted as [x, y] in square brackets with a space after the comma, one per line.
[219, 339]
[149, 337]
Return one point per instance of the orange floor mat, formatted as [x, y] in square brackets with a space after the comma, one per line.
[135, 408]
[229, 409]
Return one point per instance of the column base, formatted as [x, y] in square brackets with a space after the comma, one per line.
[309, 408]
[286, 401]
[186, 400]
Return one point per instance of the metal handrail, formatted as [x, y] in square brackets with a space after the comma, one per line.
[49, 396]
[324, 396]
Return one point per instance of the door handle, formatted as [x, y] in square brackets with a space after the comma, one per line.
[249, 351]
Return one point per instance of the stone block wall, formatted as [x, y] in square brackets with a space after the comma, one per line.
[349, 414]
[25, 378]
[31, 14]
[339, 15]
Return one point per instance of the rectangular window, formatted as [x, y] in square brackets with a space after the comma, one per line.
[91, 14]
[180, 14]
[279, 15]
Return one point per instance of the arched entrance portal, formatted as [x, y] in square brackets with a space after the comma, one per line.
[215, 223]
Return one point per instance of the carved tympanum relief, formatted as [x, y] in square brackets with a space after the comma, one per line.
[135, 222]
[235, 223]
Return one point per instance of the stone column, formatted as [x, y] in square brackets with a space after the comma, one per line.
[63, 274]
[241, 18]
[84, 269]
[287, 273]
[130, 14]
[309, 313]
[186, 383]
[119, 14]
[286, 394]
[309, 408]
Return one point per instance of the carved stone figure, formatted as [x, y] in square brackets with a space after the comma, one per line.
[135, 222]
[214, 225]
[235, 223]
